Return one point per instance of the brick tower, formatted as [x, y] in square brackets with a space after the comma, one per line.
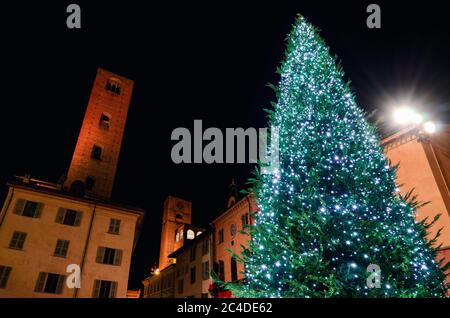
[176, 212]
[94, 161]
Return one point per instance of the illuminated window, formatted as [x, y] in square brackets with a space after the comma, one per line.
[190, 235]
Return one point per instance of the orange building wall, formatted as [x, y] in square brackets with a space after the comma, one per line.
[232, 216]
[416, 172]
[42, 234]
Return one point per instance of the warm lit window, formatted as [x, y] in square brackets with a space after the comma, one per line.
[190, 235]
[177, 236]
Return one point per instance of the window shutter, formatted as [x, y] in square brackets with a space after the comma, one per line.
[20, 205]
[65, 247]
[113, 291]
[78, 218]
[60, 285]
[40, 282]
[118, 257]
[100, 254]
[96, 291]
[60, 215]
[38, 212]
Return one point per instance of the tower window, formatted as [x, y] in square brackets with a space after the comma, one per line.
[90, 183]
[113, 86]
[190, 235]
[96, 153]
[105, 121]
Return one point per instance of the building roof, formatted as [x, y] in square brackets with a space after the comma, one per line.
[190, 243]
[51, 188]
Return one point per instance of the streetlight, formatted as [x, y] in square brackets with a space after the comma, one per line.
[429, 127]
[407, 116]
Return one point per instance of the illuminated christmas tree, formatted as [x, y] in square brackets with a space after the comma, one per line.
[332, 210]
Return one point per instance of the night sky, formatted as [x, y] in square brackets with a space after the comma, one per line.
[208, 60]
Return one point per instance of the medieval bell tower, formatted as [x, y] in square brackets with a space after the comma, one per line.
[175, 213]
[94, 162]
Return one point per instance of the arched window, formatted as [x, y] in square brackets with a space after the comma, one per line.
[190, 235]
[198, 233]
[96, 152]
[113, 85]
[90, 183]
[105, 120]
[178, 217]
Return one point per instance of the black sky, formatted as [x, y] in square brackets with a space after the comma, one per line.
[208, 60]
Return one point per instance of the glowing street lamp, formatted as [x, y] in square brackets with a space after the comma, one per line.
[406, 116]
[429, 127]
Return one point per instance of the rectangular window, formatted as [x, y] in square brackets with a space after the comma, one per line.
[61, 248]
[17, 240]
[109, 256]
[180, 286]
[221, 273]
[50, 283]
[220, 236]
[68, 217]
[96, 152]
[205, 270]
[192, 256]
[245, 220]
[205, 246]
[192, 275]
[114, 226]
[27, 208]
[4, 275]
[104, 289]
